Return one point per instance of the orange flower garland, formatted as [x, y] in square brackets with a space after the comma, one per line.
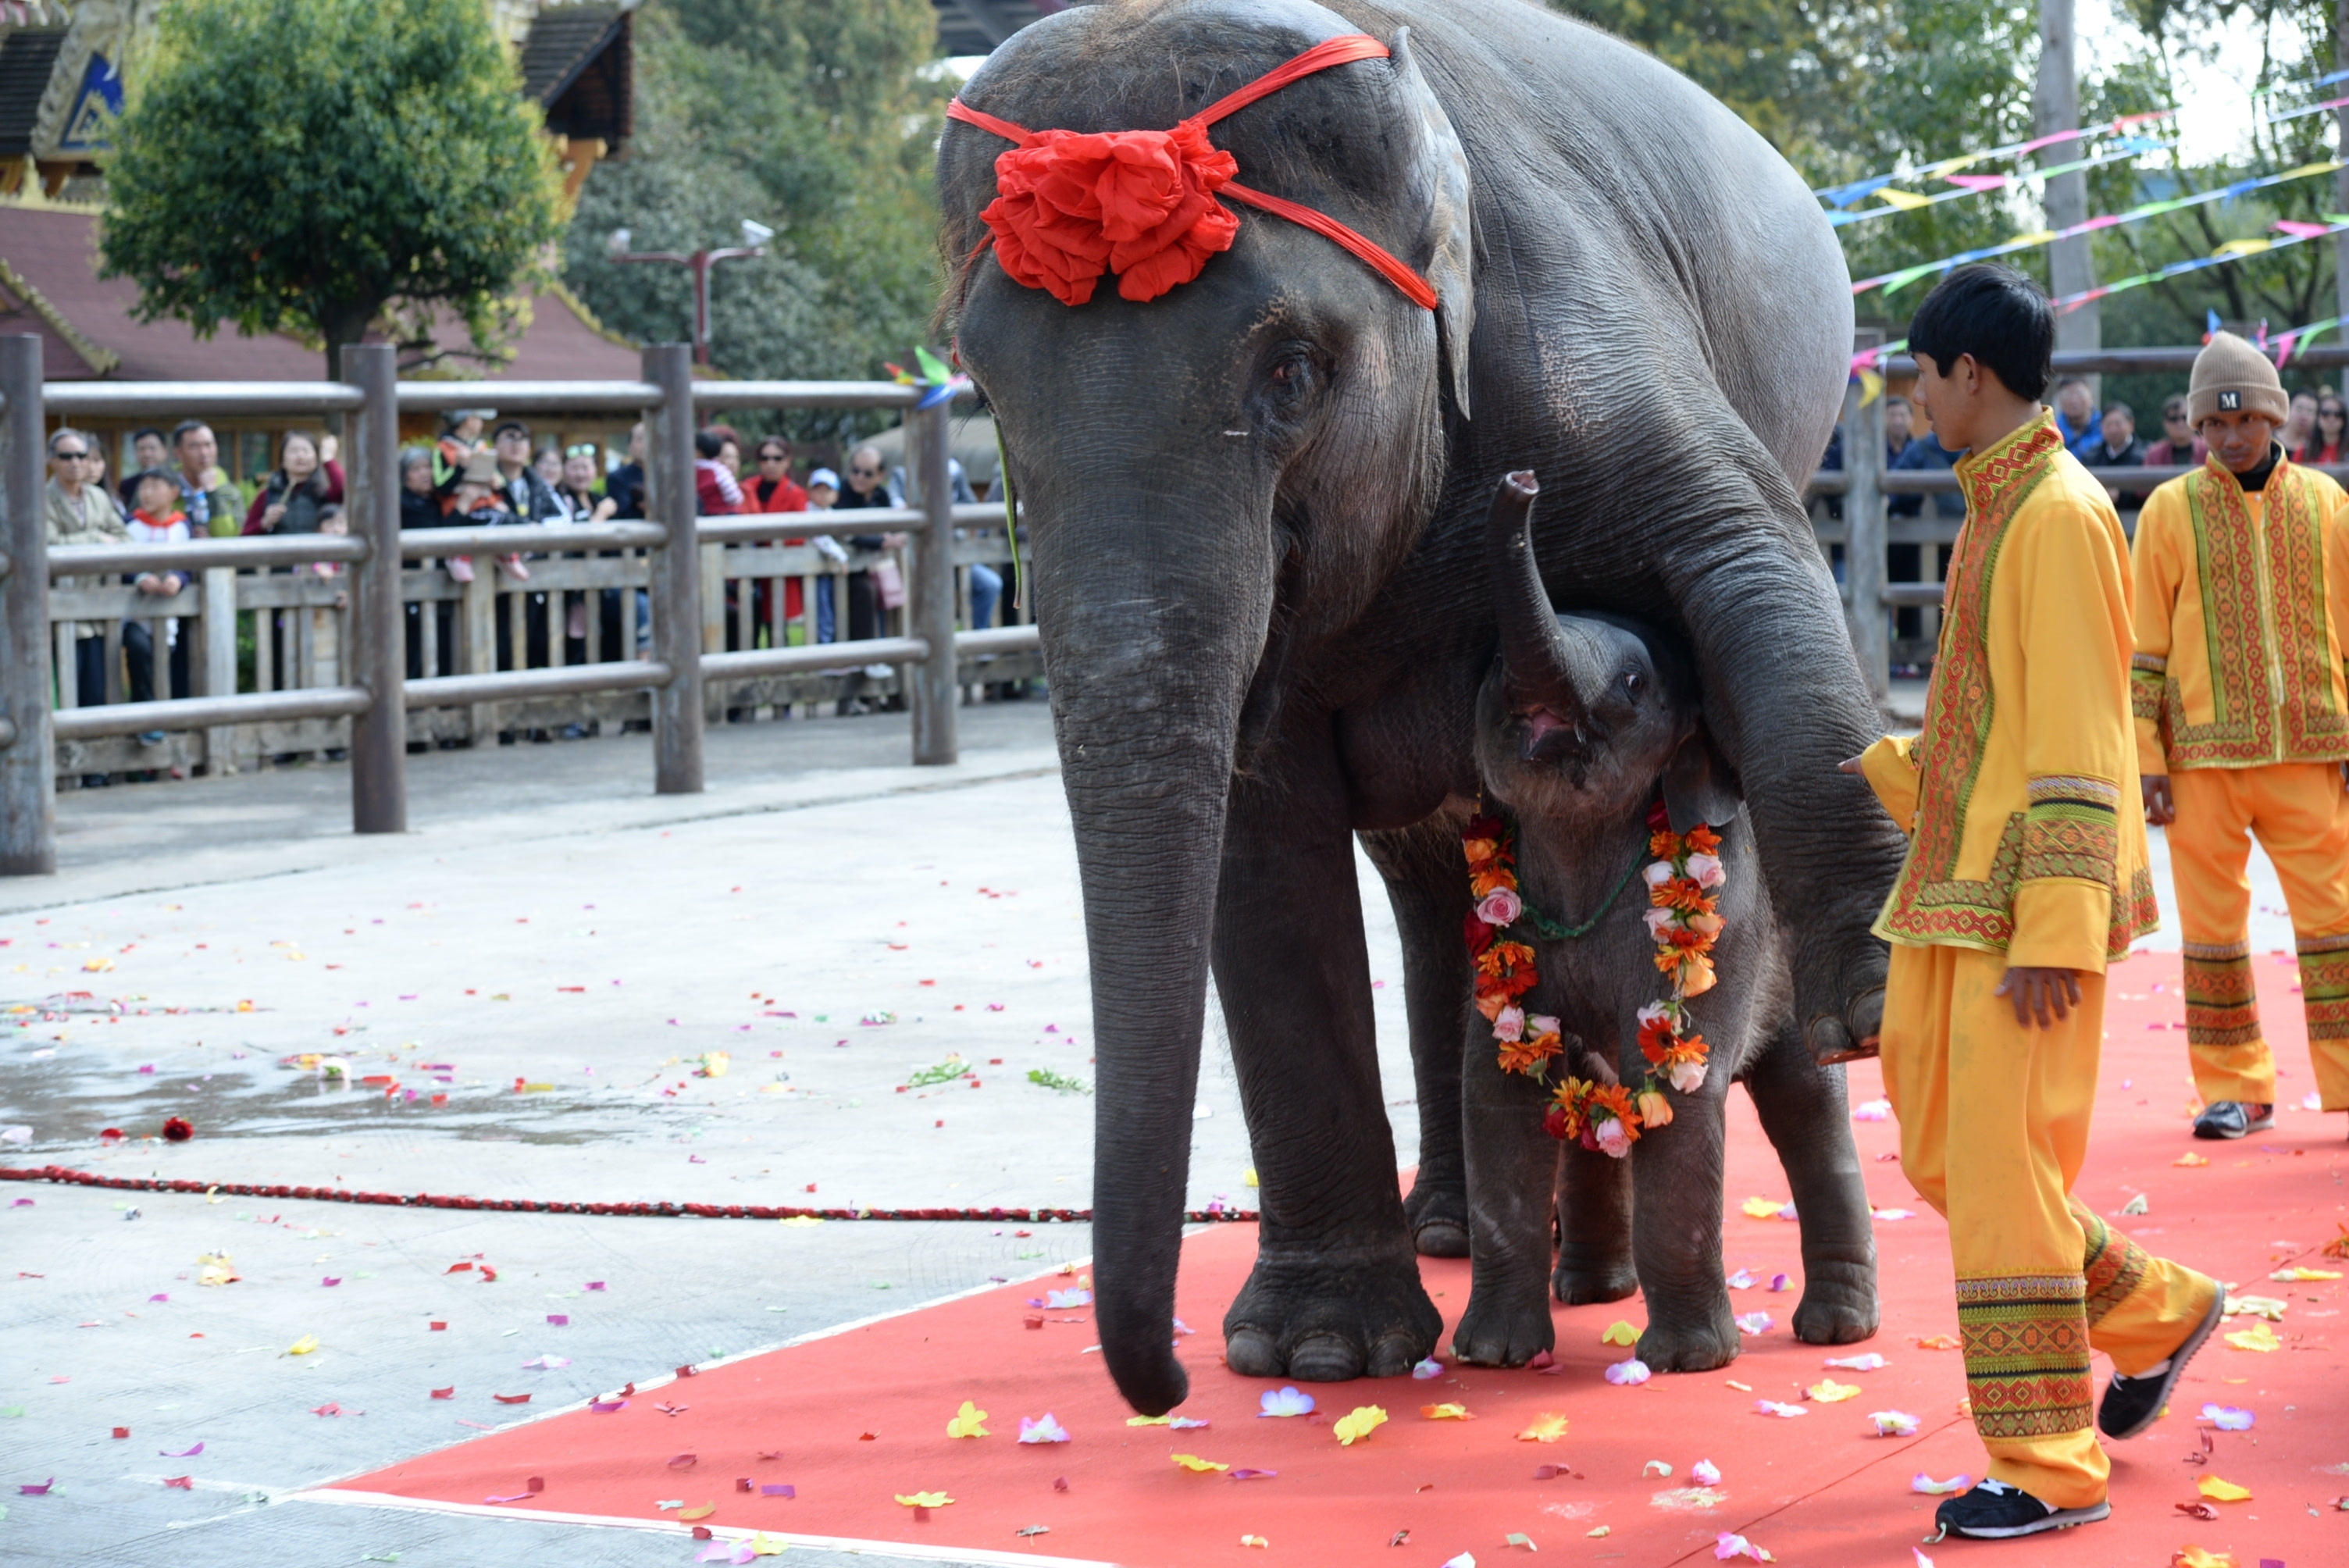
[1684, 882]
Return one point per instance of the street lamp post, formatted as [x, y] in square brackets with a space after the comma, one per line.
[701, 263]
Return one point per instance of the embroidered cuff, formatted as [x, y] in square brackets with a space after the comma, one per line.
[2148, 677]
[2072, 829]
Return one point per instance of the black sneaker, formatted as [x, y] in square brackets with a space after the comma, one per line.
[2232, 1119]
[1996, 1512]
[2130, 1405]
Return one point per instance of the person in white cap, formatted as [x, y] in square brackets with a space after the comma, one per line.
[2243, 595]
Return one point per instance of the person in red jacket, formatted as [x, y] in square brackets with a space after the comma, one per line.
[774, 490]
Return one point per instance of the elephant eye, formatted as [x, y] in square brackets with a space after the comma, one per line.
[1632, 682]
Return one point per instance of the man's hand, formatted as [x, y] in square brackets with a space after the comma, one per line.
[2160, 810]
[2040, 995]
[1849, 765]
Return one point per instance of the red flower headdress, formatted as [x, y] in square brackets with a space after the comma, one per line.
[1071, 205]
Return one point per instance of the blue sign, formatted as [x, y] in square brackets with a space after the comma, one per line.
[94, 107]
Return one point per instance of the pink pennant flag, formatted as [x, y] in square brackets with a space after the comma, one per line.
[2301, 230]
[1978, 181]
[2284, 346]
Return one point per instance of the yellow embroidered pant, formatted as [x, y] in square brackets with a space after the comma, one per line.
[2301, 816]
[1993, 1127]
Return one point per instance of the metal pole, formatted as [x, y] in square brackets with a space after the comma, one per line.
[2055, 106]
[1864, 564]
[378, 736]
[931, 599]
[700, 264]
[29, 784]
[676, 572]
[2341, 181]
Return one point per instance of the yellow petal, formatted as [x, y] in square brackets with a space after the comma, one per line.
[1194, 1462]
[2257, 1337]
[703, 1512]
[803, 1220]
[765, 1545]
[1149, 1420]
[925, 1500]
[2218, 1490]
[967, 1422]
[1602, 1530]
[2195, 1557]
[1547, 1427]
[1253, 1541]
[309, 1342]
[2295, 1276]
[2190, 1158]
[1445, 1413]
[1830, 1392]
[1619, 1333]
[1247, 1177]
[1359, 1423]
[1762, 1208]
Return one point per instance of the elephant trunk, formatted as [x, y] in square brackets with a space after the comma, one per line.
[1154, 599]
[1549, 667]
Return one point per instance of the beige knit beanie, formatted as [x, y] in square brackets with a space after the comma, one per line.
[2230, 375]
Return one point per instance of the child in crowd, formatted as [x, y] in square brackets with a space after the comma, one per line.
[460, 437]
[156, 520]
[479, 501]
[823, 490]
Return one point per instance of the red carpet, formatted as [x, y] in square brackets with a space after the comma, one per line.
[1815, 1490]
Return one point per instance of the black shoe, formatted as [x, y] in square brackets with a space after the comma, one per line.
[1996, 1512]
[2232, 1119]
[2130, 1405]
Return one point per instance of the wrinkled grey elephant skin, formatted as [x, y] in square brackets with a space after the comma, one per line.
[1255, 504]
[1583, 724]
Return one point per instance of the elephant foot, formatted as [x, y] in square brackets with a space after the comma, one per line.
[1327, 1317]
[1503, 1327]
[1834, 1312]
[1580, 1283]
[1437, 1212]
[1690, 1346]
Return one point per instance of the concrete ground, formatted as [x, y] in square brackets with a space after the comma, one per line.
[841, 925]
[549, 954]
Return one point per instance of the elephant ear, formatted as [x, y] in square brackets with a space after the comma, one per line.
[1697, 788]
[1439, 188]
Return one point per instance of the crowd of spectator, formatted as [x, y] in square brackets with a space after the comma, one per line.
[483, 471]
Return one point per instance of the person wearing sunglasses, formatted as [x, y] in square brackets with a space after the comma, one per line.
[2179, 447]
[81, 513]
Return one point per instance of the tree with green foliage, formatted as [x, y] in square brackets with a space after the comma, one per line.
[816, 119]
[299, 165]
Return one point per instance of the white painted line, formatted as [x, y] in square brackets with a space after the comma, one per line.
[978, 1556]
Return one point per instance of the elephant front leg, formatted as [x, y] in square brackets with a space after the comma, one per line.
[1428, 887]
[1512, 1167]
[1336, 1291]
[1676, 1229]
[1806, 1114]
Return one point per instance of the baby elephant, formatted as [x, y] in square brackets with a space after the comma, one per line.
[1619, 867]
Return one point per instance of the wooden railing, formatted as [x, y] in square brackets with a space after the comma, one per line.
[331, 651]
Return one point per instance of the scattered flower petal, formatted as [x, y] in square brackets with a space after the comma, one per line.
[1772, 1407]
[1704, 1472]
[1727, 1546]
[1619, 1333]
[2219, 1490]
[2257, 1337]
[1827, 1391]
[1546, 1428]
[1285, 1401]
[1921, 1482]
[1755, 1323]
[1871, 1362]
[1893, 1423]
[1043, 1430]
[1445, 1413]
[2228, 1417]
[1429, 1368]
[1628, 1374]
[1194, 1462]
[1761, 1208]
[1654, 1467]
[1872, 1110]
[924, 1499]
[1358, 1424]
[967, 1422]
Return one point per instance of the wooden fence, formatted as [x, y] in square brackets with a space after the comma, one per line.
[329, 649]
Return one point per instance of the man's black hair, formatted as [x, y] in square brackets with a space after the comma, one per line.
[142, 432]
[709, 443]
[2123, 409]
[180, 431]
[504, 425]
[1996, 315]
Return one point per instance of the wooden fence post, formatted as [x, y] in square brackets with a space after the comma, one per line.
[28, 786]
[1864, 564]
[930, 597]
[677, 571]
[378, 626]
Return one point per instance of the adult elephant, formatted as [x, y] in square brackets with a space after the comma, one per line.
[1257, 505]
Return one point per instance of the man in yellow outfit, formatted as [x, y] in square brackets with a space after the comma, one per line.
[2243, 724]
[2023, 878]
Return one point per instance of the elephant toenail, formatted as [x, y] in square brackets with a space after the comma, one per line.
[1325, 1358]
[1250, 1352]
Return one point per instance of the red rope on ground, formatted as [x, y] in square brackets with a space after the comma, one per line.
[66, 1175]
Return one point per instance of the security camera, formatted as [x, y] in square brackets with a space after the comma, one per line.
[756, 233]
[618, 242]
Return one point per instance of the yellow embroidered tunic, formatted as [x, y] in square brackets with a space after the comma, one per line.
[2240, 603]
[2012, 796]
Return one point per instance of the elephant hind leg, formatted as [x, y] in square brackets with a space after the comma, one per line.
[1428, 888]
[1807, 1116]
[1594, 1229]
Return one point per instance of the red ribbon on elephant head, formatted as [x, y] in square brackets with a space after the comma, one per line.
[1072, 205]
